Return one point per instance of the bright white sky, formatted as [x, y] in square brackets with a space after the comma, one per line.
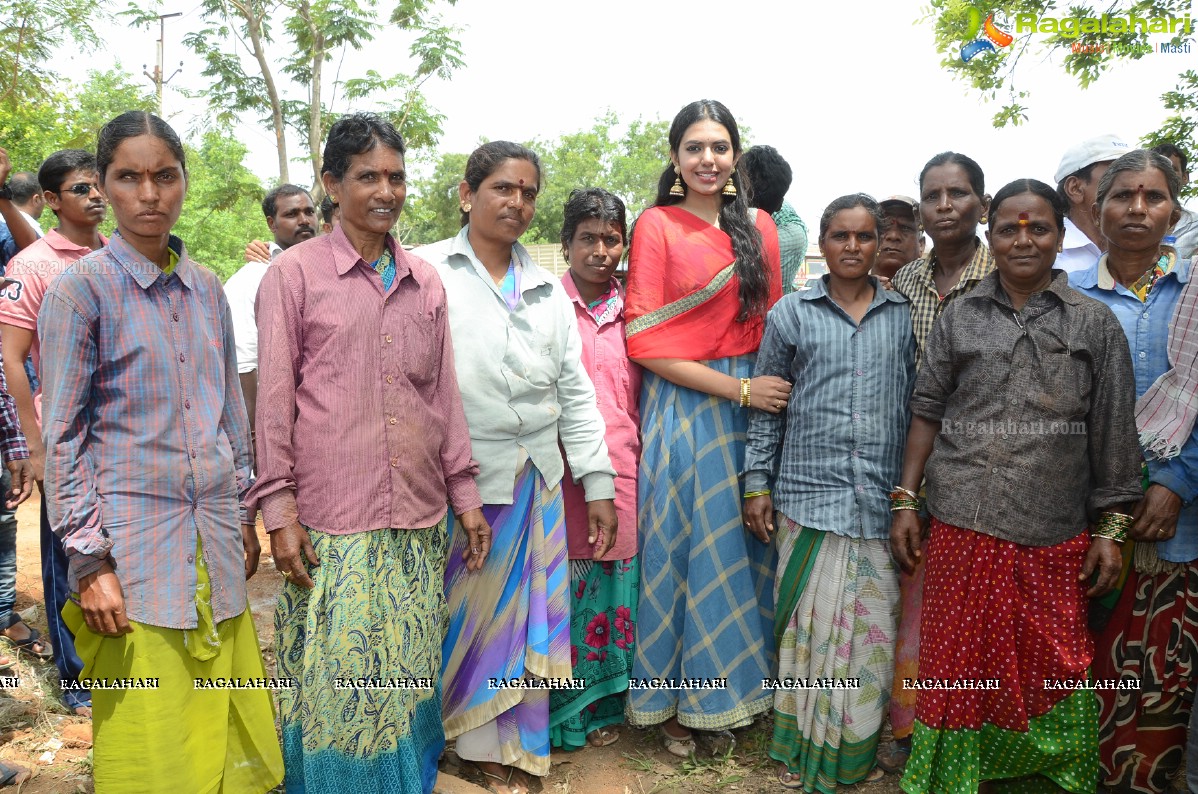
[852, 94]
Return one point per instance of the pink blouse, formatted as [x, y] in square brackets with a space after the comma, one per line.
[617, 388]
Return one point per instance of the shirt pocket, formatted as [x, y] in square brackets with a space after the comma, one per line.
[419, 357]
[544, 361]
[1066, 378]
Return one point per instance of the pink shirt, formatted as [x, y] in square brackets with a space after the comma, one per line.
[617, 389]
[32, 270]
[360, 423]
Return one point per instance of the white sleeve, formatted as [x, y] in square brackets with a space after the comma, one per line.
[241, 290]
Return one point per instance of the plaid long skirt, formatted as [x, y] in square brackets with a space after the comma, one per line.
[706, 608]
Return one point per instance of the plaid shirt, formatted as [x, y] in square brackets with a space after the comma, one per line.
[147, 438]
[914, 281]
[12, 440]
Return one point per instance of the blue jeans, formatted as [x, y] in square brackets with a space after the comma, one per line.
[56, 590]
[8, 554]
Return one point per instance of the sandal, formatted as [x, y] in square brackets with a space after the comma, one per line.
[30, 644]
[892, 757]
[875, 774]
[602, 737]
[508, 786]
[13, 775]
[680, 746]
[788, 779]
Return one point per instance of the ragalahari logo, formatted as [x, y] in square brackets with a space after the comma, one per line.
[991, 39]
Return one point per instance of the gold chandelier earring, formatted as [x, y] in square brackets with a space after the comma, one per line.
[676, 189]
[729, 188]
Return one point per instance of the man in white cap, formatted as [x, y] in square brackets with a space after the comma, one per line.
[1077, 183]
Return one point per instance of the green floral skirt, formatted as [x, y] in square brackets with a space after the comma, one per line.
[603, 606]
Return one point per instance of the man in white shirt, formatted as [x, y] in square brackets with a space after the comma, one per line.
[291, 215]
[1186, 229]
[1077, 176]
[19, 220]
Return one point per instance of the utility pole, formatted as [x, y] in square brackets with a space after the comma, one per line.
[156, 77]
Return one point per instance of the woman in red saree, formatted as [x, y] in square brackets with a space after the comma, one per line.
[703, 271]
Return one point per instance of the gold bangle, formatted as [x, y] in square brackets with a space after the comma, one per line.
[898, 489]
[744, 392]
[751, 494]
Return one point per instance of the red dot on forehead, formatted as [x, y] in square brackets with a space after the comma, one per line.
[521, 182]
[1023, 218]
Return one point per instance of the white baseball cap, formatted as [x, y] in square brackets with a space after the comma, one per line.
[1101, 149]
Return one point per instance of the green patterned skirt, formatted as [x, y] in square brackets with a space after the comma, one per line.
[603, 607]
[364, 650]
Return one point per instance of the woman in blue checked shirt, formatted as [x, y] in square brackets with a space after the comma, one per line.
[147, 459]
[846, 343]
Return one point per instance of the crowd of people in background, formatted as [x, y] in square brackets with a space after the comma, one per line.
[947, 488]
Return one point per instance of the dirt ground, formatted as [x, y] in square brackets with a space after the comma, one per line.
[37, 732]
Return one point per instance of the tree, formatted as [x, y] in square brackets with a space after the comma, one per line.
[431, 210]
[1096, 38]
[312, 33]
[30, 32]
[69, 116]
[628, 166]
[223, 209]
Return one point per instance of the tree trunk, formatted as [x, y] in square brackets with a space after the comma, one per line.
[276, 108]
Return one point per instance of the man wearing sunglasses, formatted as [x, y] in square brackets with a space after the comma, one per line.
[71, 190]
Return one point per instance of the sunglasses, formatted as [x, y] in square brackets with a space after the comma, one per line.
[80, 189]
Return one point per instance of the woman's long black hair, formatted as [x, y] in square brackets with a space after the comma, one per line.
[747, 246]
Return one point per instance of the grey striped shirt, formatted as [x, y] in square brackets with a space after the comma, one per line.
[835, 453]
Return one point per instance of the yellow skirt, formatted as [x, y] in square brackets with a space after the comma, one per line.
[180, 736]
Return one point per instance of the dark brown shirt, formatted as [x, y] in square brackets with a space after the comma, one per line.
[1037, 413]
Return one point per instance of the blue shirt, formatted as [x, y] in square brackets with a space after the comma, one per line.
[8, 246]
[836, 451]
[1146, 325]
[147, 438]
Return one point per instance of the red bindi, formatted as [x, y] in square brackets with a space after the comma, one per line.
[521, 181]
[1024, 219]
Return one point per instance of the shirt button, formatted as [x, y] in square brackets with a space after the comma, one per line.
[187, 404]
[859, 373]
[191, 558]
[390, 379]
[860, 489]
[1144, 315]
[1014, 401]
[391, 421]
[1143, 355]
[395, 463]
[182, 357]
[387, 338]
[994, 470]
[856, 415]
[856, 453]
[193, 453]
[175, 316]
[1004, 436]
